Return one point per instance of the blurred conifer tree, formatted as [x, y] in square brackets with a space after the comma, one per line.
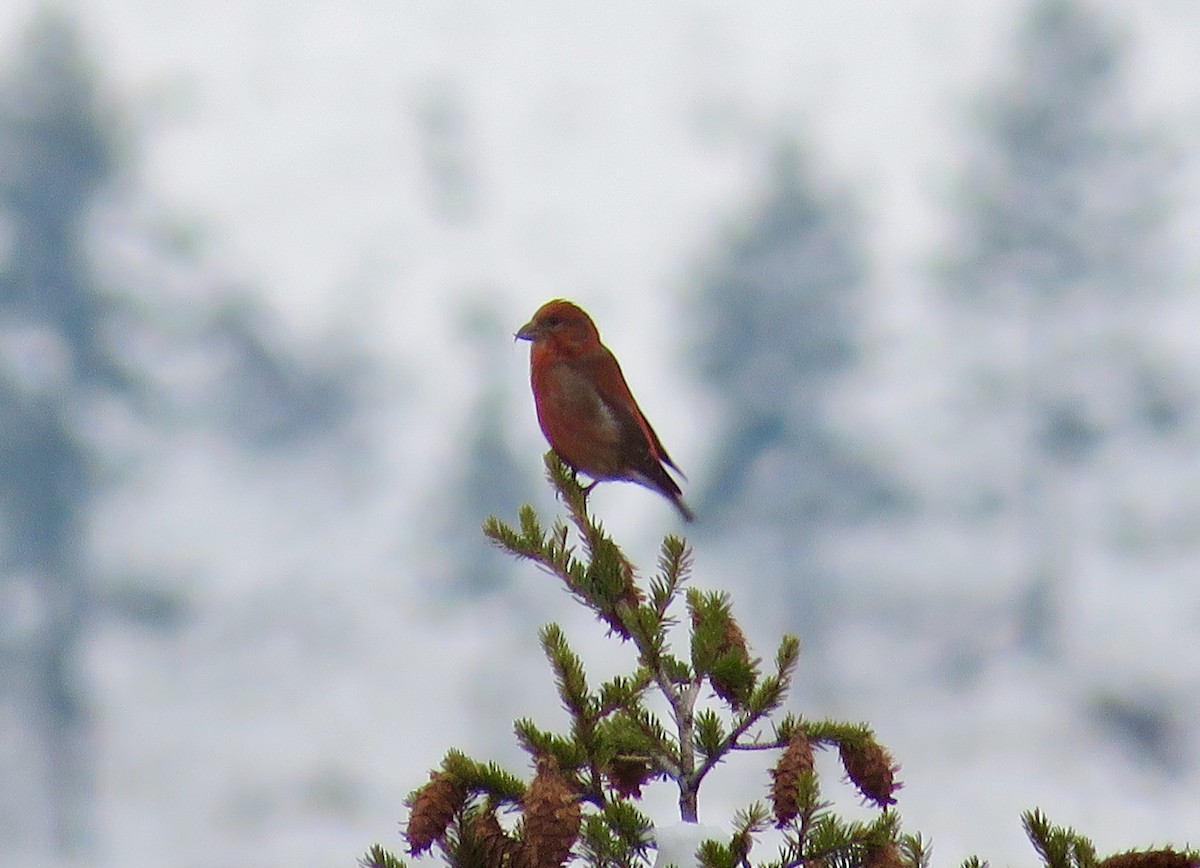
[56, 155]
[778, 316]
[64, 353]
[1059, 256]
[486, 473]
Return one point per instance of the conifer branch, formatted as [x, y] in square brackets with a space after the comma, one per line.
[582, 801]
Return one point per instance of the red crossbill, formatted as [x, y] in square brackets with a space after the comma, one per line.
[584, 405]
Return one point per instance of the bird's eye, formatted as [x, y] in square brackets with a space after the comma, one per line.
[553, 321]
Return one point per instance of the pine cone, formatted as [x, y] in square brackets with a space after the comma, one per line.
[1151, 859]
[886, 856]
[498, 848]
[552, 817]
[433, 806]
[627, 776]
[796, 760]
[629, 596]
[733, 644]
[871, 768]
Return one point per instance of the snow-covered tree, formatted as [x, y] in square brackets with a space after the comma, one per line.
[73, 350]
[485, 477]
[56, 155]
[1059, 260]
[778, 317]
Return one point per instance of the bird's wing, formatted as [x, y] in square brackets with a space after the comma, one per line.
[638, 435]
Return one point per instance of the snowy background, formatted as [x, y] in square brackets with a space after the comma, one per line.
[908, 289]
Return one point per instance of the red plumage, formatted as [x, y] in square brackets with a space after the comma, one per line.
[584, 405]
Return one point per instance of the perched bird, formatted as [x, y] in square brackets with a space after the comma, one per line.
[585, 407]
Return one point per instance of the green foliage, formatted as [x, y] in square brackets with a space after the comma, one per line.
[536, 742]
[619, 835]
[584, 798]
[568, 672]
[483, 778]
[1059, 846]
[378, 857]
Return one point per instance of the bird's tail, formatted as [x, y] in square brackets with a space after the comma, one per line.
[683, 508]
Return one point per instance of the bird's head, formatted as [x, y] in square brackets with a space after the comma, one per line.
[562, 324]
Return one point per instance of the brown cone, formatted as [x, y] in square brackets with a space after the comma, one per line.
[552, 817]
[627, 776]
[733, 642]
[872, 770]
[432, 809]
[886, 856]
[797, 759]
[1151, 859]
[498, 848]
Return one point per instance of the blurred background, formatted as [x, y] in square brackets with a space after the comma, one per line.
[909, 290]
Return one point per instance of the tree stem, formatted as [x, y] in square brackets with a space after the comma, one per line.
[689, 782]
